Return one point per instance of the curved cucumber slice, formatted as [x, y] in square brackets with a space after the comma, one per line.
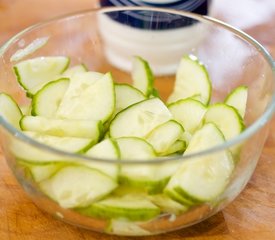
[178, 146]
[150, 177]
[226, 118]
[126, 95]
[28, 153]
[167, 204]
[89, 96]
[163, 136]
[135, 148]
[142, 76]
[189, 113]
[77, 186]
[9, 110]
[63, 127]
[192, 80]
[107, 149]
[237, 98]
[41, 172]
[205, 177]
[126, 228]
[68, 144]
[33, 74]
[46, 101]
[180, 198]
[143, 117]
[127, 207]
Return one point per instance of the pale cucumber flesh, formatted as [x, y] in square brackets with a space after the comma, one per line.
[77, 186]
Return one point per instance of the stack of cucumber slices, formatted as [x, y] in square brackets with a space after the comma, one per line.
[85, 112]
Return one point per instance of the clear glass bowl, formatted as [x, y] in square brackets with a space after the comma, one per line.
[162, 37]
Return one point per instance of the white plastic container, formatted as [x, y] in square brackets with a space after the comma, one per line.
[160, 38]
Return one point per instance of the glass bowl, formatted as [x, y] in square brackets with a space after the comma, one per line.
[105, 41]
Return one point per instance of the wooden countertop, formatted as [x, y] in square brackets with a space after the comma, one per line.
[250, 216]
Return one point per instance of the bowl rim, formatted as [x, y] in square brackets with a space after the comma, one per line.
[250, 130]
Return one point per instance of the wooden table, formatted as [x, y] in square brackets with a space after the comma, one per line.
[250, 216]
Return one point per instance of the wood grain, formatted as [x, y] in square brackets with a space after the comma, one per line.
[250, 216]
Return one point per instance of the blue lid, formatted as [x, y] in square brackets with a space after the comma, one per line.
[154, 20]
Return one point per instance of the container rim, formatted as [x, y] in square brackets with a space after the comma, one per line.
[259, 123]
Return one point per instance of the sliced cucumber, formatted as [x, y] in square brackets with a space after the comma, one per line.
[73, 70]
[163, 136]
[63, 127]
[42, 172]
[189, 113]
[142, 76]
[77, 186]
[46, 101]
[29, 153]
[178, 147]
[168, 205]
[126, 228]
[186, 137]
[126, 207]
[140, 118]
[237, 98]
[150, 177]
[141, 175]
[126, 95]
[192, 80]
[89, 96]
[226, 118]
[68, 144]
[9, 110]
[135, 148]
[202, 178]
[33, 74]
[106, 149]
[180, 198]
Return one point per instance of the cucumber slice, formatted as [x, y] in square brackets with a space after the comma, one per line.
[28, 153]
[168, 205]
[237, 98]
[46, 101]
[226, 118]
[202, 178]
[141, 175]
[77, 186]
[126, 95]
[192, 80]
[126, 207]
[89, 96]
[126, 228]
[163, 136]
[63, 127]
[180, 198]
[9, 110]
[142, 76]
[189, 113]
[73, 70]
[150, 177]
[106, 149]
[186, 137]
[33, 74]
[68, 144]
[41, 172]
[135, 148]
[143, 117]
[178, 147]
